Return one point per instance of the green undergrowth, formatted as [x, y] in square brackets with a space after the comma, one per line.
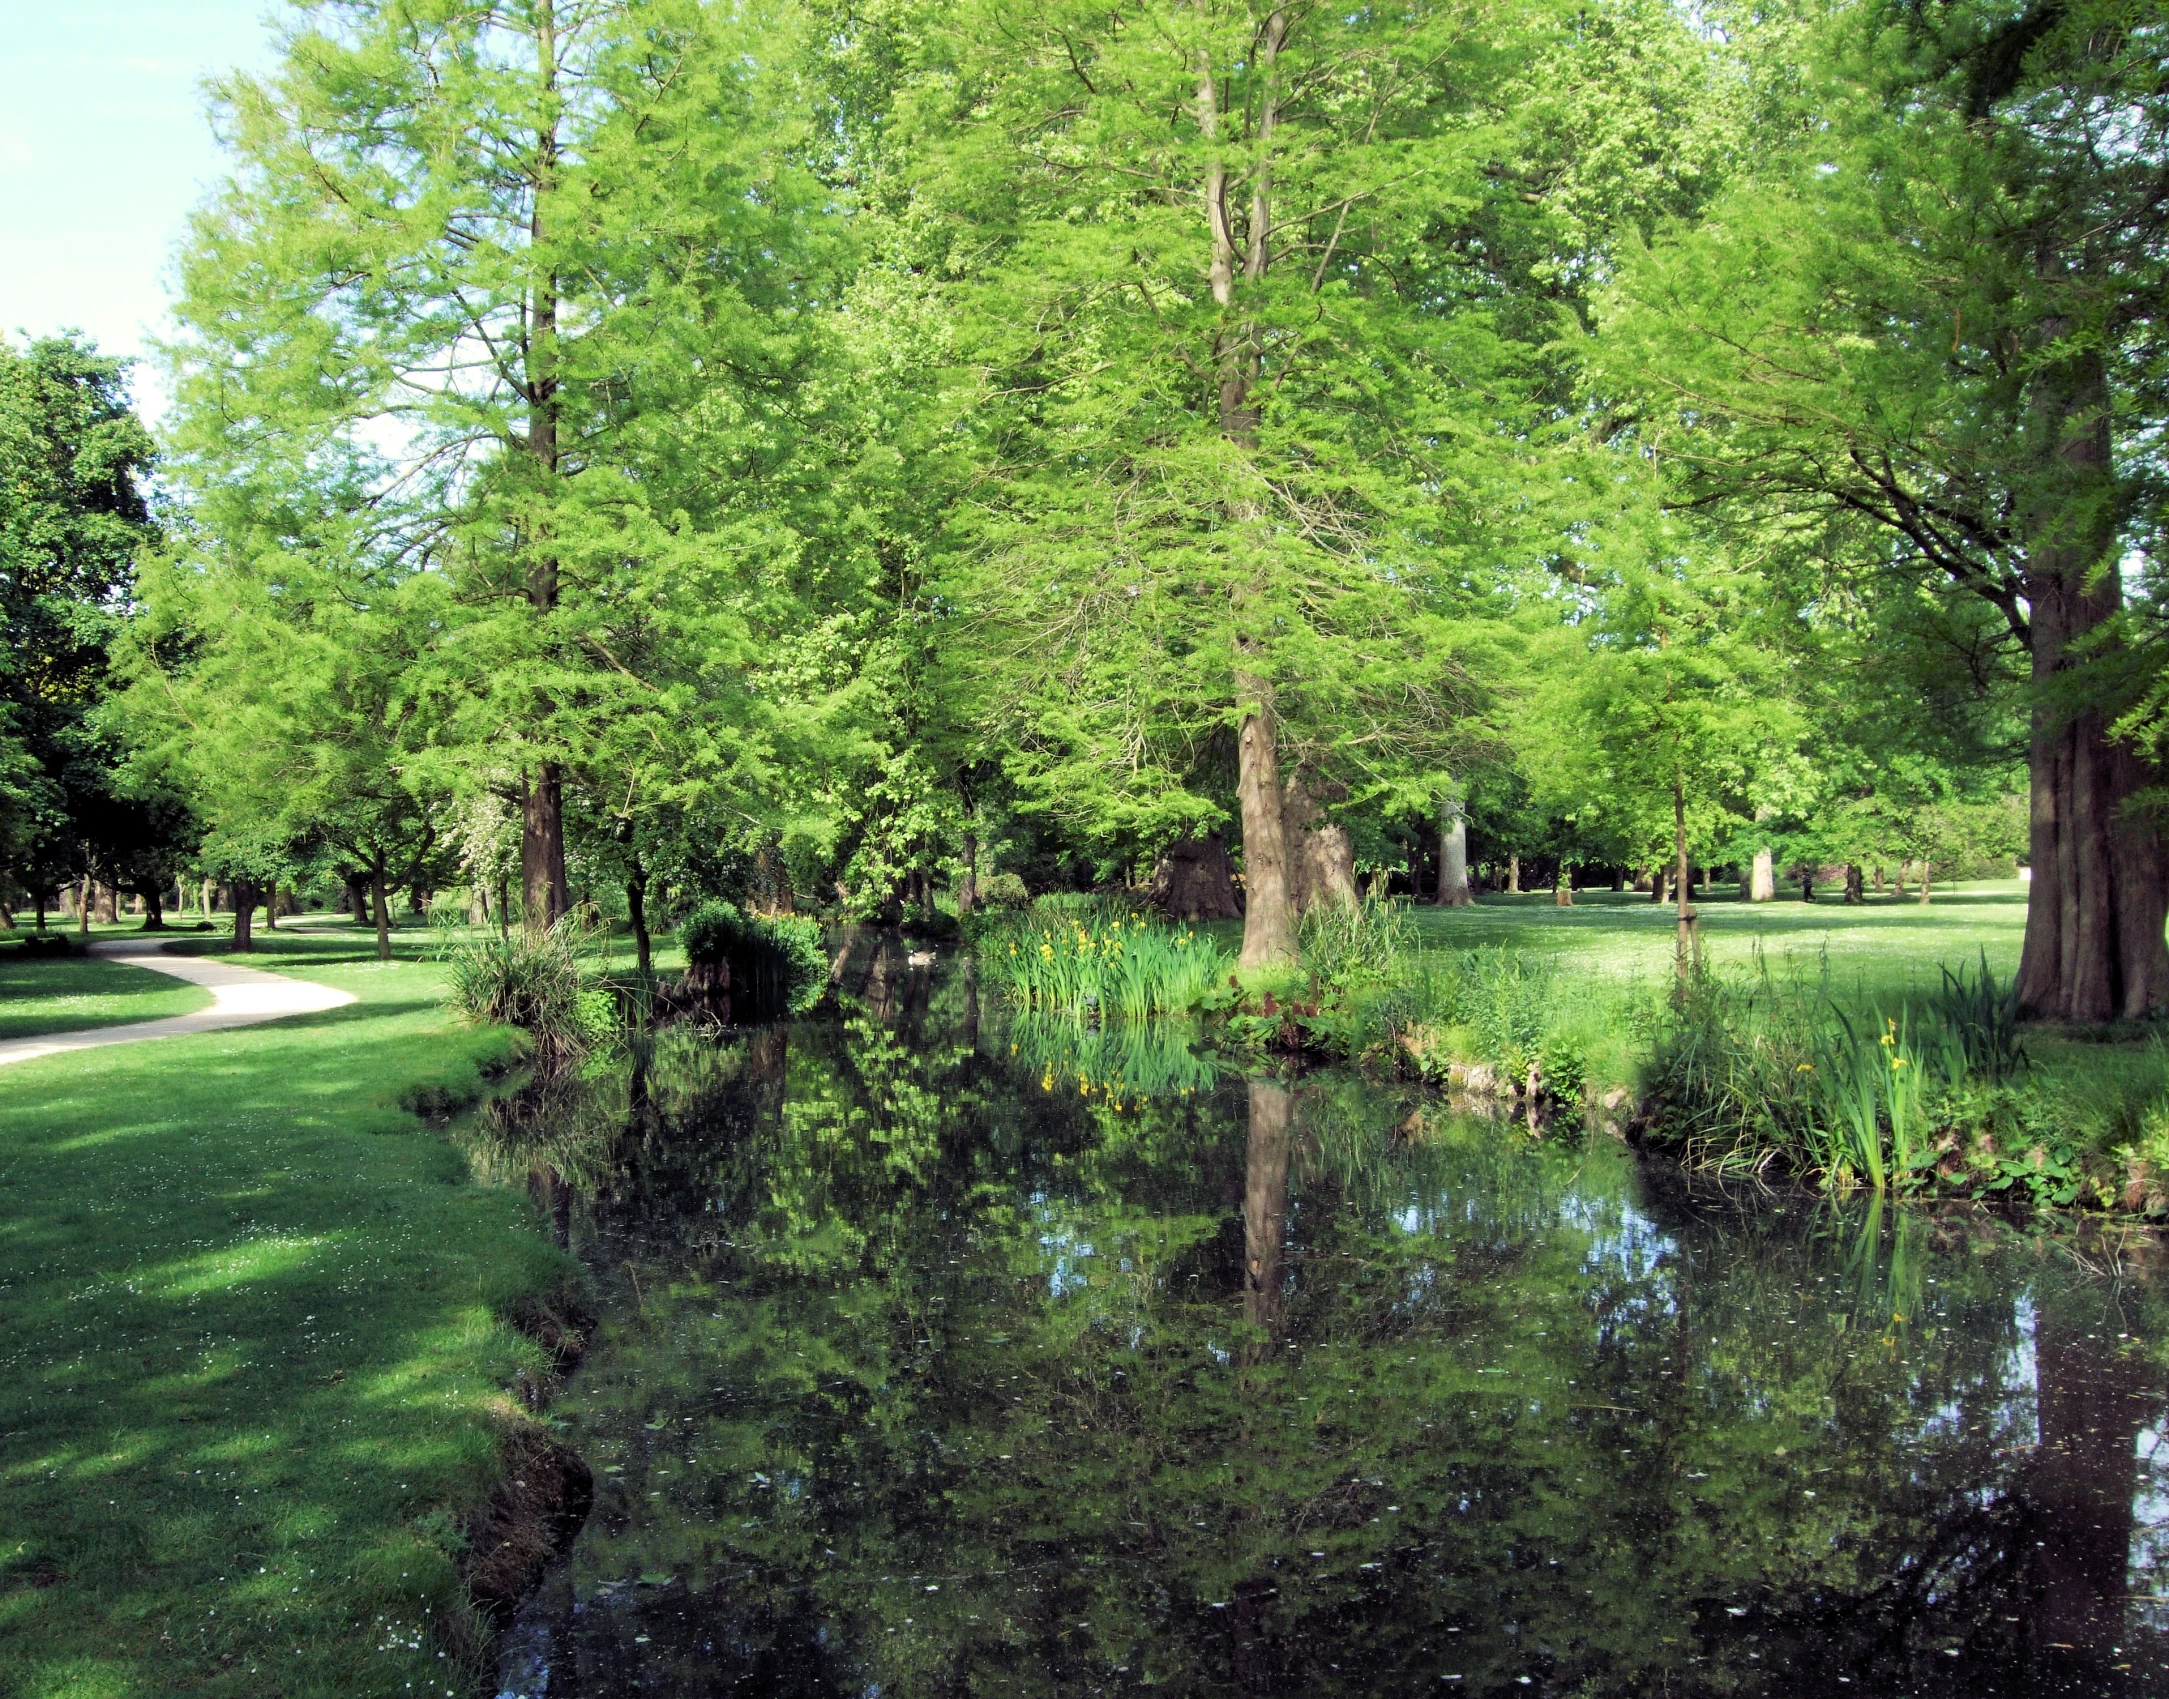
[1942, 1093]
[254, 1369]
[42, 994]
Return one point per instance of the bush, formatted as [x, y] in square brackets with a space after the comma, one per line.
[777, 965]
[528, 980]
[45, 944]
[1004, 890]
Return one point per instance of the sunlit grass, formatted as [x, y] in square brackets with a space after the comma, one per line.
[42, 994]
[255, 1356]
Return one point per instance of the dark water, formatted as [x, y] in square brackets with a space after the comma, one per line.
[925, 1372]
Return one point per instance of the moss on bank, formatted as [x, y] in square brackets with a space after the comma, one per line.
[256, 1351]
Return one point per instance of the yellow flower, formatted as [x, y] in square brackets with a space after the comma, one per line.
[1805, 1068]
[1897, 1062]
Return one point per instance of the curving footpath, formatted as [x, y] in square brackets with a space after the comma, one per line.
[240, 996]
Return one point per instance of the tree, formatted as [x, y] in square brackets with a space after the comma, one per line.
[73, 459]
[1231, 434]
[515, 265]
[1937, 310]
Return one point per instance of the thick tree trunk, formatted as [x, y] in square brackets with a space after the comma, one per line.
[1927, 877]
[154, 910]
[1898, 889]
[1619, 880]
[636, 906]
[542, 850]
[1193, 881]
[1321, 856]
[244, 915]
[1268, 920]
[1854, 880]
[2094, 912]
[1656, 884]
[1453, 857]
[1762, 883]
[1879, 878]
[103, 896]
[1513, 873]
[381, 894]
[357, 900]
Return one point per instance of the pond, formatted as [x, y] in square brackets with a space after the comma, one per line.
[942, 1353]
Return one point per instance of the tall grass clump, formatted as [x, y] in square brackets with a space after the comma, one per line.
[1769, 1072]
[536, 981]
[1091, 962]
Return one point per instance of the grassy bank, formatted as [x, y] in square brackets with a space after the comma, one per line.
[255, 1350]
[42, 994]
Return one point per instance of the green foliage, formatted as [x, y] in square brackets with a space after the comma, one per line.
[1004, 890]
[777, 964]
[1085, 960]
[532, 980]
[1120, 1063]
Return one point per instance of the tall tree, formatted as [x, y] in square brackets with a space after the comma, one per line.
[1938, 310]
[508, 249]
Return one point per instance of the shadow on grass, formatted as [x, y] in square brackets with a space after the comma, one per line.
[254, 1363]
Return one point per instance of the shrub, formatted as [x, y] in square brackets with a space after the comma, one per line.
[45, 944]
[1004, 890]
[777, 966]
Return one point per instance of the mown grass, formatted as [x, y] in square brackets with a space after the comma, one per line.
[255, 1350]
[42, 994]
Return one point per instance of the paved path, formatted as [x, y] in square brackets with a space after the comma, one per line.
[240, 996]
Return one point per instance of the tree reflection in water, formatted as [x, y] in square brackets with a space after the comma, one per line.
[926, 1367]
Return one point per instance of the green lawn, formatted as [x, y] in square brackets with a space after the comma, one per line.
[41, 994]
[252, 1351]
[1883, 948]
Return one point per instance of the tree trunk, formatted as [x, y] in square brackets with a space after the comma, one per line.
[2094, 912]
[1193, 881]
[271, 906]
[82, 908]
[542, 850]
[504, 909]
[1853, 883]
[542, 812]
[1656, 884]
[1689, 947]
[1513, 873]
[1453, 857]
[357, 900]
[382, 896]
[244, 915]
[1879, 878]
[1321, 856]
[967, 889]
[1268, 929]
[1562, 889]
[1927, 871]
[636, 906]
[106, 900]
[1619, 880]
[1762, 883]
[154, 909]
[1899, 888]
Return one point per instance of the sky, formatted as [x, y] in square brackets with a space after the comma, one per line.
[104, 148]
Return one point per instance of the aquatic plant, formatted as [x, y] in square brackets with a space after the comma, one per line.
[1087, 962]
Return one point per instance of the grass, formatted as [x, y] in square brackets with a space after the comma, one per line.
[42, 994]
[255, 1354]
[1884, 949]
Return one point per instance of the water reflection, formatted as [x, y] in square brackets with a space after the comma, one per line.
[929, 1367]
